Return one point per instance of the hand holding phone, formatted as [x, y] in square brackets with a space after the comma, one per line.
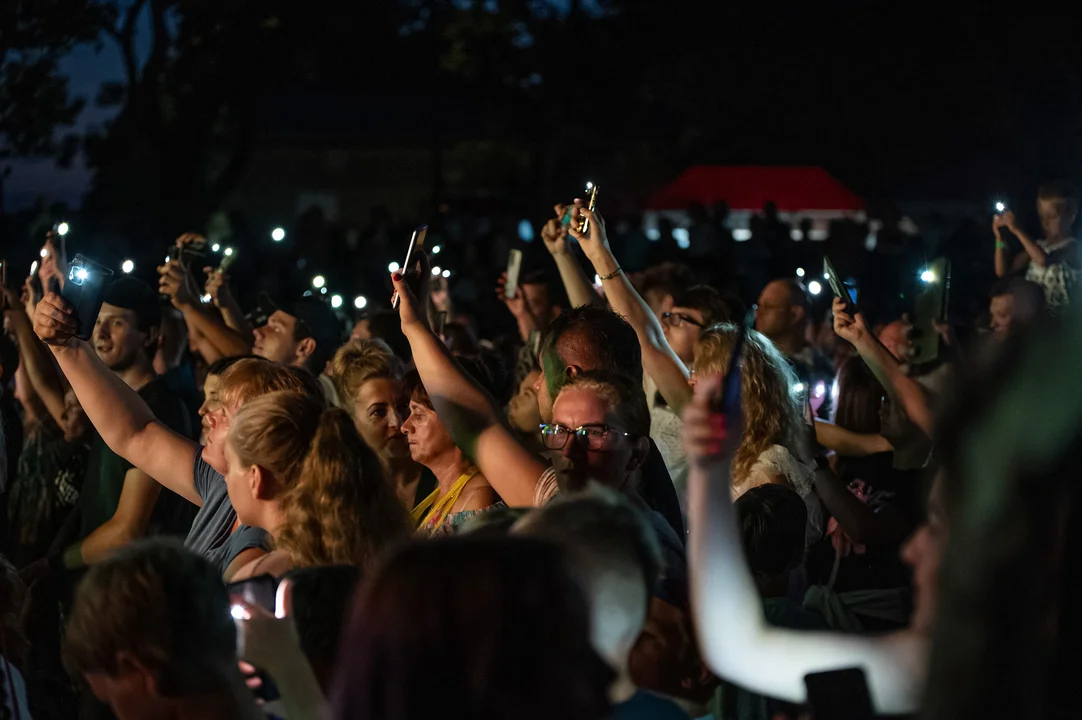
[417, 241]
[838, 286]
[514, 267]
[84, 292]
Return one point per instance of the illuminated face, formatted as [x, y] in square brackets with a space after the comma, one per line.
[523, 412]
[376, 416]
[211, 400]
[923, 552]
[117, 338]
[275, 340]
[428, 438]
[1002, 312]
[682, 327]
[577, 463]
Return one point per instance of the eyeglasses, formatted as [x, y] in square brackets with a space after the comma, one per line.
[678, 319]
[555, 436]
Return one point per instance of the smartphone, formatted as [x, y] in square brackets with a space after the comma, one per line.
[229, 256]
[85, 292]
[838, 286]
[839, 694]
[261, 590]
[727, 401]
[514, 267]
[930, 307]
[417, 240]
[591, 204]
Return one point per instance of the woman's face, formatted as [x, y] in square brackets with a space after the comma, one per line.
[428, 439]
[238, 483]
[376, 418]
[523, 412]
[923, 552]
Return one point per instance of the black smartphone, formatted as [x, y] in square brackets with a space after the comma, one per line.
[417, 241]
[838, 286]
[514, 268]
[591, 204]
[727, 400]
[839, 695]
[85, 292]
[260, 590]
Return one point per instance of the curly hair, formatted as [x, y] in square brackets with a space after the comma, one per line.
[359, 361]
[772, 415]
[339, 508]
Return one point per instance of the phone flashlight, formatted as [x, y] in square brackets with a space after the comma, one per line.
[238, 612]
[1000, 207]
[33, 267]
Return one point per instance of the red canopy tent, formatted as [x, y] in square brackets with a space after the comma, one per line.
[748, 187]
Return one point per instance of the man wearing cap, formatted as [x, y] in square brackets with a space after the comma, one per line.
[118, 502]
[303, 333]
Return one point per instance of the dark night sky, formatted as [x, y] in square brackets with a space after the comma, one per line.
[892, 97]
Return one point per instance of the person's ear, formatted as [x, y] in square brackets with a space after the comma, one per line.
[259, 482]
[133, 672]
[571, 371]
[305, 348]
[640, 450]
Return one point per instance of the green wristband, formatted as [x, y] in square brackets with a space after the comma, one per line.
[1000, 245]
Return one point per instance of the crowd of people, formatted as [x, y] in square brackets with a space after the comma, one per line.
[659, 497]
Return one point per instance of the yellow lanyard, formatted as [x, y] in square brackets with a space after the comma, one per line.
[440, 506]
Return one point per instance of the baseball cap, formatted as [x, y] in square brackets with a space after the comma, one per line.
[316, 315]
[133, 294]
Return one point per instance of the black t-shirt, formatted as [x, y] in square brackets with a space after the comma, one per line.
[105, 473]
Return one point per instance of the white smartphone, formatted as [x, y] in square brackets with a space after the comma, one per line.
[417, 240]
[514, 267]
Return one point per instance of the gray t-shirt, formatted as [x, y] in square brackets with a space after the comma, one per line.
[212, 534]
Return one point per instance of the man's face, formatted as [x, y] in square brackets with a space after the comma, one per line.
[275, 340]
[682, 328]
[117, 338]
[538, 301]
[523, 412]
[775, 316]
[211, 401]
[1002, 311]
[216, 430]
[377, 417]
[576, 463]
[1056, 219]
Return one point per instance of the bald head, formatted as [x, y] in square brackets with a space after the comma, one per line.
[783, 311]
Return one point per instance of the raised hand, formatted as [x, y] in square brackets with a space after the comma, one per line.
[410, 310]
[517, 304]
[54, 321]
[595, 242]
[177, 283]
[848, 327]
[217, 286]
[554, 232]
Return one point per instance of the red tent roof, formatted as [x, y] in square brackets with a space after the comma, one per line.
[749, 187]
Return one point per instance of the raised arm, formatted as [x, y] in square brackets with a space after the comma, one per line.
[1034, 253]
[658, 358]
[177, 283]
[554, 234]
[736, 641]
[885, 367]
[40, 369]
[221, 294]
[848, 443]
[470, 415]
[117, 412]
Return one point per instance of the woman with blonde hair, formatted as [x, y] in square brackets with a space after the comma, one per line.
[773, 424]
[368, 377]
[304, 475]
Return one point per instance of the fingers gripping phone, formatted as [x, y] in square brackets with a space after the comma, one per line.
[591, 189]
[514, 268]
[85, 292]
[838, 286]
[417, 241]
